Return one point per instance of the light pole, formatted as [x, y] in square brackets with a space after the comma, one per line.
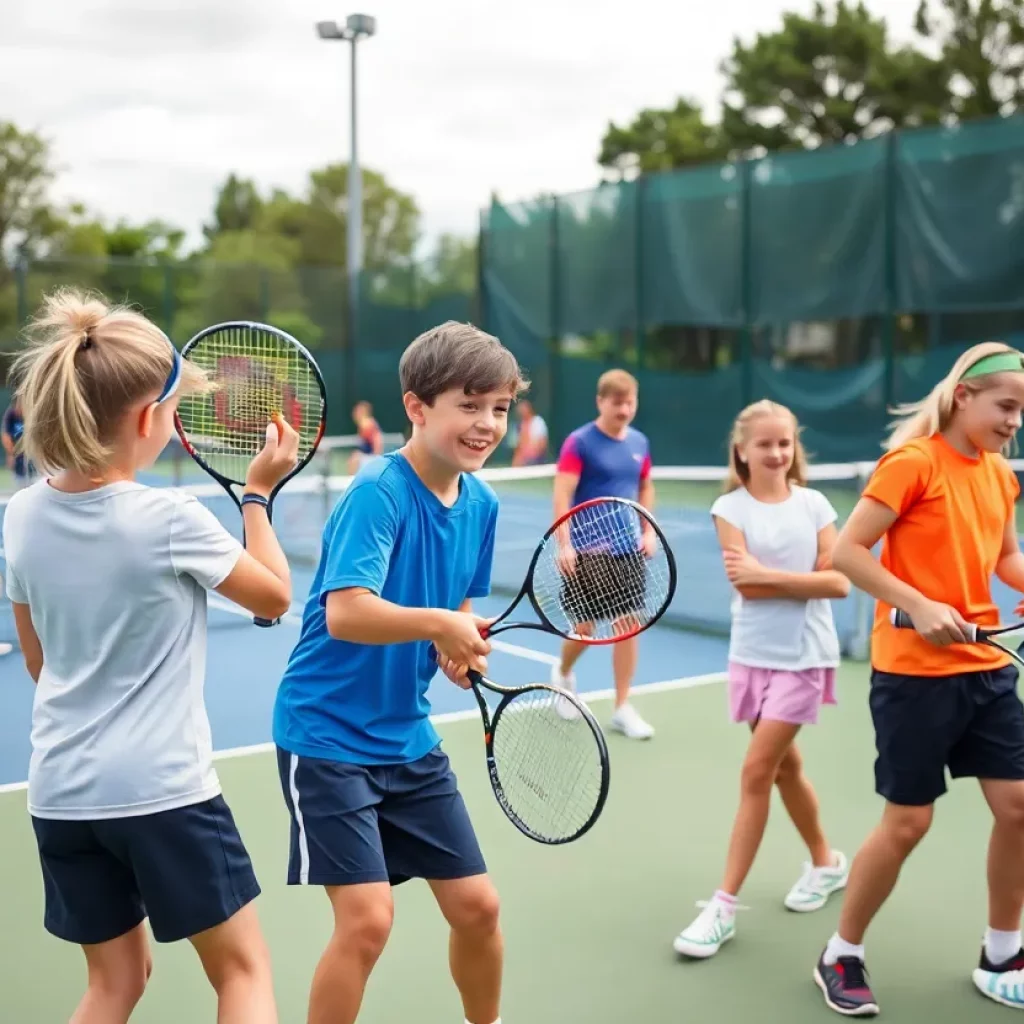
[356, 27]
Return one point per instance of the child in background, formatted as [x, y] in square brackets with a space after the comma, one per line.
[125, 802]
[372, 796]
[777, 537]
[607, 458]
[943, 500]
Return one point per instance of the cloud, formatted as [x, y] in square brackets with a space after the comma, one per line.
[151, 105]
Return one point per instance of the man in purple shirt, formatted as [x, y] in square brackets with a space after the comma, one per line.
[607, 458]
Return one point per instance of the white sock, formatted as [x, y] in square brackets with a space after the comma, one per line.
[838, 947]
[727, 902]
[1001, 946]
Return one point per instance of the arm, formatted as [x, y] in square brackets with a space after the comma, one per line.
[31, 649]
[1010, 567]
[768, 584]
[359, 616]
[260, 581]
[868, 523]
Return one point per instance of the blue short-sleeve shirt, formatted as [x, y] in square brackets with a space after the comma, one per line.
[367, 703]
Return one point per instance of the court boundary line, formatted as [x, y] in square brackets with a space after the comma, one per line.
[446, 717]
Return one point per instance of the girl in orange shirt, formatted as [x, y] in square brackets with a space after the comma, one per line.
[943, 500]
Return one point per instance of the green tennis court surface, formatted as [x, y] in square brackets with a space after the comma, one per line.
[588, 927]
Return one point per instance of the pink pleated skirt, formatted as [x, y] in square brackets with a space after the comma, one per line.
[779, 695]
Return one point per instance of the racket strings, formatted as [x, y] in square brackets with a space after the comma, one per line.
[596, 579]
[255, 375]
[549, 767]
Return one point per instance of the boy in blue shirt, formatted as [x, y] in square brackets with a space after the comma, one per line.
[372, 798]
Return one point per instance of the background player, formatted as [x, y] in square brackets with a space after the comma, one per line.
[777, 537]
[607, 458]
[371, 439]
[125, 802]
[943, 500]
[531, 437]
[372, 797]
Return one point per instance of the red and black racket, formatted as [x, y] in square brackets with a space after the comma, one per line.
[259, 373]
[602, 573]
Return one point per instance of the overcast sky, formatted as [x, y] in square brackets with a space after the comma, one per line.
[149, 104]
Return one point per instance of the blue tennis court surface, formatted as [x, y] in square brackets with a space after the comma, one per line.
[245, 664]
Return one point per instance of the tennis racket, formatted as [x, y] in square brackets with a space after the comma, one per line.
[996, 636]
[258, 373]
[592, 578]
[548, 762]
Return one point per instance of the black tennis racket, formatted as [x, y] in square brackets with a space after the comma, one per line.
[995, 636]
[602, 573]
[258, 373]
[546, 757]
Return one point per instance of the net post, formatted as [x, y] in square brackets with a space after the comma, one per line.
[863, 610]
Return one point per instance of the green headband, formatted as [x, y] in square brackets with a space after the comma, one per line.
[1001, 362]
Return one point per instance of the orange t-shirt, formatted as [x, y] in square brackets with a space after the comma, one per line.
[946, 542]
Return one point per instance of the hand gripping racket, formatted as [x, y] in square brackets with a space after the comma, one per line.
[1013, 634]
[602, 573]
[258, 373]
[546, 757]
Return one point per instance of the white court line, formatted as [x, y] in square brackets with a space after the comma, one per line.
[294, 618]
[686, 683]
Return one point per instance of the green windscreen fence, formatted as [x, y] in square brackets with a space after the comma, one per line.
[838, 282]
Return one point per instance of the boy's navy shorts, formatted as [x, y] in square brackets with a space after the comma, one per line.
[972, 724]
[185, 869]
[355, 823]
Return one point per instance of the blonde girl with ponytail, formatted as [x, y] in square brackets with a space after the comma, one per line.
[776, 536]
[941, 501]
[108, 579]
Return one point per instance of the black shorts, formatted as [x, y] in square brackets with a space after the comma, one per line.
[605, 587]
[354, 823]
[971, 724]
[185, 869]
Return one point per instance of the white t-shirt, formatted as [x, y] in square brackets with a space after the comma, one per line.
[782, 633]
[537, 430]
[116, 581]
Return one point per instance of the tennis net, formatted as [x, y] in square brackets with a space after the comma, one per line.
[684, 496]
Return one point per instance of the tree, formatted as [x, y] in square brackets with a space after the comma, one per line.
[982, 43]
[451, 268]
[25, 176]
[831, 77]
[658, 140]
[237, 208]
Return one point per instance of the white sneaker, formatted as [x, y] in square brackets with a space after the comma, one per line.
[627, 720]
[713, 927]
[6, 649]
[564, 708]
[816, 885]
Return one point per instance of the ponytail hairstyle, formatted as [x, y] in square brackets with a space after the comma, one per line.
[85, 365]
[934, 412]
[738, 474]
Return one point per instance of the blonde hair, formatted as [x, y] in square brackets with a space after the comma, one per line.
[85, 365]
[738, 474]
[616, 382]
[934, 412]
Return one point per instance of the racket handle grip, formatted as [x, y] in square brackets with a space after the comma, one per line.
[901, 620]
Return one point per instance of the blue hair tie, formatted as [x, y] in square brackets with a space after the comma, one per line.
[175, 376]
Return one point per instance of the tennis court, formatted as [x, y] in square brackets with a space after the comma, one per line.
[589, 926]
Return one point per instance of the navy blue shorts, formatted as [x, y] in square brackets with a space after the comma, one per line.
[354, 823]
[185, 869]
[972, 724]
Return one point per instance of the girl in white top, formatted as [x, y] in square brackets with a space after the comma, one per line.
[108, 579]
[776, 536]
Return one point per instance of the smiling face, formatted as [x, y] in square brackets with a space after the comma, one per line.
[768, 447]
[461, 431]
[989, 412]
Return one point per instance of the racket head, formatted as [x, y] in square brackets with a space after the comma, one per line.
[256, 371]
[548, 761]
[604, 572]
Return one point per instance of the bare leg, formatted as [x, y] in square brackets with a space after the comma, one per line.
[475, 948]
[118, 972]
[362, 924]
